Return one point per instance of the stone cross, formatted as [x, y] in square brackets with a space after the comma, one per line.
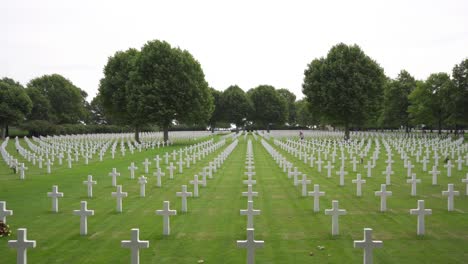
[304, 183]
[250, 212]
[335, 213]
[69, 160]
[319, 164]
[249, 181]
[250, 244]
[90, 184]
[459, 162]
[354, 162]
[434, 173]
[180, 163]
[157, 159]
[166, 212]
[171, 169]
[250, 194]
[368, 245]
[119, 195]
[114, 175]
[449, 167]
[158, 175]
[342, 173]
[22, 168]
[146, 163]
[249, 173]
[413, 181]
[135, 244]
[195, 183]
[184, 194]
[388, 174]
[421, 212]
[4, 212]
[369, 168]
[466, 182]
[166, 158]
[409, 166]
[329, 168]
[55, 195]
[21, 244]
[142, 181]
[40, 160]
[424, 162]
[359, 183]
[383, 193]
[316, 194]
[83, 213]
[48, 164]
[450, 193]
[132, 169]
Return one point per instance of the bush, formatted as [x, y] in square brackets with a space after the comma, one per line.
[4, 230]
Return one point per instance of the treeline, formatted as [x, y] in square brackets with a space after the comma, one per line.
[162, 87]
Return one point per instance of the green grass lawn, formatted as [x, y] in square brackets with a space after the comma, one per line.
[287, 224]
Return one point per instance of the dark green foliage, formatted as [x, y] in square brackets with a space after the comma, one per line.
[290, 99]
[217, 115]
[236, 106]
[15, 104]
[458, 107]
[268, 106]
[304, 115]
[56, 100]
[345, 88]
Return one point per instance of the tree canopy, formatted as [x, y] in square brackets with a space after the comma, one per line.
[290, 99]
[15, 104]
[236, 105]
[268, 106]
[345, 87]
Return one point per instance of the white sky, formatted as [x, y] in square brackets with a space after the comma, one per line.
[237, 42]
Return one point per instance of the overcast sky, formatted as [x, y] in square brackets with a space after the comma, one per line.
[247, 43]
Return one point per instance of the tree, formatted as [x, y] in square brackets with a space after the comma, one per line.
[158, 84]
[345, 87]
[304, 116]
[268, 106]
[217, 115]
[396, 102]
[96, 108]
[236, 106]
[66, 101]
[458, 108]
[430, 101]
[15, 104]
[290, 99]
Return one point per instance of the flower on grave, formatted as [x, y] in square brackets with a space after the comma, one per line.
[4, 230]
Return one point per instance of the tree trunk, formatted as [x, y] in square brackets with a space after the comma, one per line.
[137, 134]
[166, 133]
[440, 126]
[346, 132]
[268, 127]
[212, 128]
[7, 131]
[3, 131]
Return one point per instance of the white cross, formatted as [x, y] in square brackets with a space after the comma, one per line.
[434, 173]
[90, 184]
[368, 245]
[249, 181]
[142, 181]
[114, 175]
[316, 194]
[48, 164]
[409, 166]
[157, 159]
[135, 244]
[369, 168]
[55, 195]
[459, 162]
[21, 244]
[132, 169]
[383, 193]
[359, 183]
[304, 183]
[329, 168]
[354, 162]
[166, 212]
[203, 174]
[250, 194]
[180, 163]
[342, 173]
[249, 173]
[4, 212]
[250, 244]
[171, 170]
[195, 183]
[421, 213]
[146, 163]
[69, 159]
[424, 162]
[250, 212]
[319, 163]
[466, 182]
[335, 212]
[158, 175]
[83, 213]
[413, 181]
[449, 167]
[184, 194]
[450, 193]
[166, 158]
[119, 195]
[22, 168]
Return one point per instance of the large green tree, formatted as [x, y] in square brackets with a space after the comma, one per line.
[304, 116]
[430, 101]
[236, 106]
[396, 102]
[57, 99]
[290, 99]
[344, 88]
[458, 107]
[15, 104]
[159, 84]
[217, 115]
[268, 106]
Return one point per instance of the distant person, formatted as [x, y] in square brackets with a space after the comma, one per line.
[301, 135]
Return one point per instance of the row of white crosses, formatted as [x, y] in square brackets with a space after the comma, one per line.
[250, 243]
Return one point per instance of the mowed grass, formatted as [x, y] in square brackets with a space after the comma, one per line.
[287, 224]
